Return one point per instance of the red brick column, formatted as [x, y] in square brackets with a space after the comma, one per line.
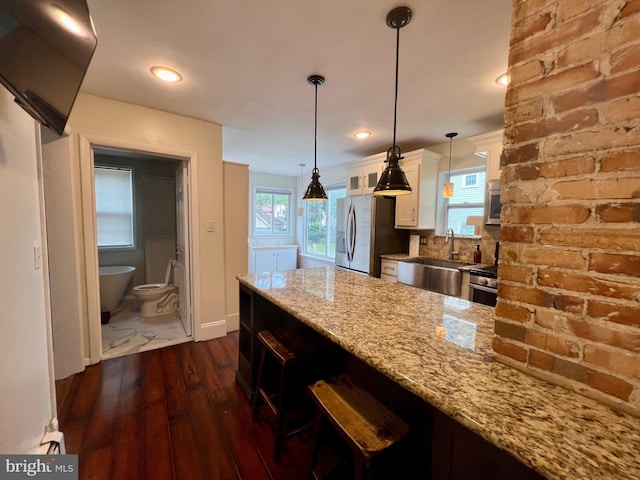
[569, 295]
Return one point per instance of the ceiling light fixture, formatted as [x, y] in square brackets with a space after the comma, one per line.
[362, 134]
[503, 80]
[393, 181]
[447, 191]
[315, 191]
[166, 74]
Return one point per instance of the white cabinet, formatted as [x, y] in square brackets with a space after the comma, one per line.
[417, 210]
[273, 259]
[363, 177]
[389, 270]
[491, 143]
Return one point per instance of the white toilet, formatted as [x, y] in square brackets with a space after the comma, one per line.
[157, 298]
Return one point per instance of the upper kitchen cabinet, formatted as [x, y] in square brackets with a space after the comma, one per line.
[417, 210]
[492, 144]
[363, 175]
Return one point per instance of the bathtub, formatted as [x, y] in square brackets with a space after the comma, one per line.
[114, 281]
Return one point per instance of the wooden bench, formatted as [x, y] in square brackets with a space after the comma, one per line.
[367, 426]
[292, 357]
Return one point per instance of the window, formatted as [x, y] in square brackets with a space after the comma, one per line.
[272, 211]
[114, 206]
[320, 227]
[470, 180]
[467, 200]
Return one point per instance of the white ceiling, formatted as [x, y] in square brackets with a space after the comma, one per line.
[245, 65]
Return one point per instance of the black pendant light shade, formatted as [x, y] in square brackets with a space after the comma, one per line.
[393, 181]
[315, 190]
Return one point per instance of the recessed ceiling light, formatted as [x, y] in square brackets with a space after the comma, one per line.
[362, 134]
[166, 74]
[503, 79]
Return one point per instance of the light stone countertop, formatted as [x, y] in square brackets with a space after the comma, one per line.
[439, 348]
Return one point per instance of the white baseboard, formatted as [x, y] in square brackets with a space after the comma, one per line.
[233, 322]
[208, 331]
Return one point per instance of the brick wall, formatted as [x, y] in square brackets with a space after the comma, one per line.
[569, 294]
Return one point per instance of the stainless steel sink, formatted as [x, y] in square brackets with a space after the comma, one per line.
[436, 262]
[437, 275]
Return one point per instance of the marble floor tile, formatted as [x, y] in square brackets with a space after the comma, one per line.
[128, 333]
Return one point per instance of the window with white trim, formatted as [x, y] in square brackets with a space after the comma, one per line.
[320, 224]
[114, 207]
[272, 211]
[467, 201]
[470, 180]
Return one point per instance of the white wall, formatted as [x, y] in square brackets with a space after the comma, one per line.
[110, 123]
[27, 398]
[236, 206]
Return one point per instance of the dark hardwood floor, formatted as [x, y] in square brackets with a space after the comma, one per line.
[173, 413]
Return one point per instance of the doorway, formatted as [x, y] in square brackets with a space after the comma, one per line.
[141, 215]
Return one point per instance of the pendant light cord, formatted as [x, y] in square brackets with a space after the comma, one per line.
[450, 145]
[315, 131]
[395, 103]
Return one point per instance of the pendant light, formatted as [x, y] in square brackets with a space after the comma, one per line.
[315, 191]
[393, 181]
[447, 191]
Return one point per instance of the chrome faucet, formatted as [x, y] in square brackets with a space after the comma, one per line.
[449, 238]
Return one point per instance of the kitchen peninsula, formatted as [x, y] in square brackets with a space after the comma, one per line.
[435, 351]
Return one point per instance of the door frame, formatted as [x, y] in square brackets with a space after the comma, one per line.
[86, 145]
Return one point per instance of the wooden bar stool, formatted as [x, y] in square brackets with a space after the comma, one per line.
[292, 356]
[367, 426]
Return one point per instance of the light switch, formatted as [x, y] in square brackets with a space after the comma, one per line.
[211, 225]
[37, 256]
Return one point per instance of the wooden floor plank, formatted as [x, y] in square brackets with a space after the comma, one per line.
[127, 447]
[212, 446]
[89, 384]
[174, 389]
[152, 378]
[156, 447]
[188, 364]
[96, 465]
[186, 459]
[131, 372]
[220, 354]
[210, 375]
[242, 447]
[100, 430]
[230, 344]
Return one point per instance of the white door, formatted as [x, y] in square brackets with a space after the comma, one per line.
[66, 254]
[182, 247]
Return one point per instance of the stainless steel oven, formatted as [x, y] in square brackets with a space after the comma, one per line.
[492, 205]
[483, 285]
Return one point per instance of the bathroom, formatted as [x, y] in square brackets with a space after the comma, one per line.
[130, 324]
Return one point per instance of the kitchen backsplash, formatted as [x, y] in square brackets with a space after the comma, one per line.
[465, 246]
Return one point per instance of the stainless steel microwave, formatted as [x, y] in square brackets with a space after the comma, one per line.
[492, 205]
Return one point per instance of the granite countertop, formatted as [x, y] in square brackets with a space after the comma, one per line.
[439, 348]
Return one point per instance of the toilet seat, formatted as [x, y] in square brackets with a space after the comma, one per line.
[154, 287]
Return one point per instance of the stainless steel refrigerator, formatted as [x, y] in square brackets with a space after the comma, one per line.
[365, 230]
